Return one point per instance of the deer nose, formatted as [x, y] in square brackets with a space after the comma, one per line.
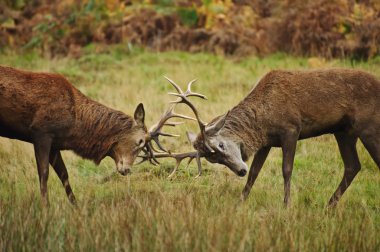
[124, 172]
[242, 172]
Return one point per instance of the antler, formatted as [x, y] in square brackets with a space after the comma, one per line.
[151, 154]
[183, 98]
[155, 130]
[178, 157]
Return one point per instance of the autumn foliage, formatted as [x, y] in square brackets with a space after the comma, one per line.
[326, 28]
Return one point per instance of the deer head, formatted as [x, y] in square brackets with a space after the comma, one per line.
[220, 146]
[128, 146]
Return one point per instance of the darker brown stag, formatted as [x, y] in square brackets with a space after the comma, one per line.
[287, 106]
[46, 110]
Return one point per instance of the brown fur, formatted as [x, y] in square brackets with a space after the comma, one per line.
[287, 106]
[314, 102]
[44, 108]
[36, 103]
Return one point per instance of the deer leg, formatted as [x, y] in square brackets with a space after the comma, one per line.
[289, 144]
[59, 167]
[347, 148]
[372, 144]
[257, 164]
[42, 147]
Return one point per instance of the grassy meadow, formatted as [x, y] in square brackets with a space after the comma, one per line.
[146, 211]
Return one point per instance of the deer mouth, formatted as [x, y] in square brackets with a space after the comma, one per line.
[242, 173]
[240, 169]
[125, 172]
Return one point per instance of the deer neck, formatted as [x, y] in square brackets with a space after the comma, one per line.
[241, 124]
[97, 129]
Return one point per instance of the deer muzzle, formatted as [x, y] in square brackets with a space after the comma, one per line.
[124, 171]
[123, 168]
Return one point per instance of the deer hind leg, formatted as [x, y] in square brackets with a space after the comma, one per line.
[289, 144]
[347, 149]
[372, 144]
[59, 167]
[257, 164]
[42, 147]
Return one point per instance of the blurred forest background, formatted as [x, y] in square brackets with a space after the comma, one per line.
[323, 28]
[107, 49]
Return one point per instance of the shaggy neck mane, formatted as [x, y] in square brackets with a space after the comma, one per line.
[241, 125]
[99, 128]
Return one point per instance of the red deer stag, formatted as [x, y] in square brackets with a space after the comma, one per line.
[46, 110]
[287, 106]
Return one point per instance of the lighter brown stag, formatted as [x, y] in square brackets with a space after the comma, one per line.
[287, 106]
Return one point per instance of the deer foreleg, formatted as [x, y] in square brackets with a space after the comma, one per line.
[257, 164]
[289, 144]
[59, 166]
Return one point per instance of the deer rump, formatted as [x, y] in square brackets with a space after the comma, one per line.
[34, 103]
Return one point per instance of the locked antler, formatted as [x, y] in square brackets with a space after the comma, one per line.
[178, 157]
[151, 153]
[183, 98]
[155, 130]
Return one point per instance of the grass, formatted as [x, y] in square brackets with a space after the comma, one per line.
[146, 211]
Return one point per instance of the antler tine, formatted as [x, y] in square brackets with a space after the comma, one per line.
[168, 135]
[162, 148]
[183, 98]
[151, 151]
[154, 149]
[173, 114]
[191, 93]
[149, 155]
[175, 169]
[155, 131]
[179, 90]
[188, 92]
[165, 117]
[179, 157]
[177, 165]
[173, 124]
[190, 84]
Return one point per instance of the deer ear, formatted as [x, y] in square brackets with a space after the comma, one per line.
[140, 114]
[191, 137]
[216, 126]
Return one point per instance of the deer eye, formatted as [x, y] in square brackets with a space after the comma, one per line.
[140, 142]
[221, 145]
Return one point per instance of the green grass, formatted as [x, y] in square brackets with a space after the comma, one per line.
[146, 211]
